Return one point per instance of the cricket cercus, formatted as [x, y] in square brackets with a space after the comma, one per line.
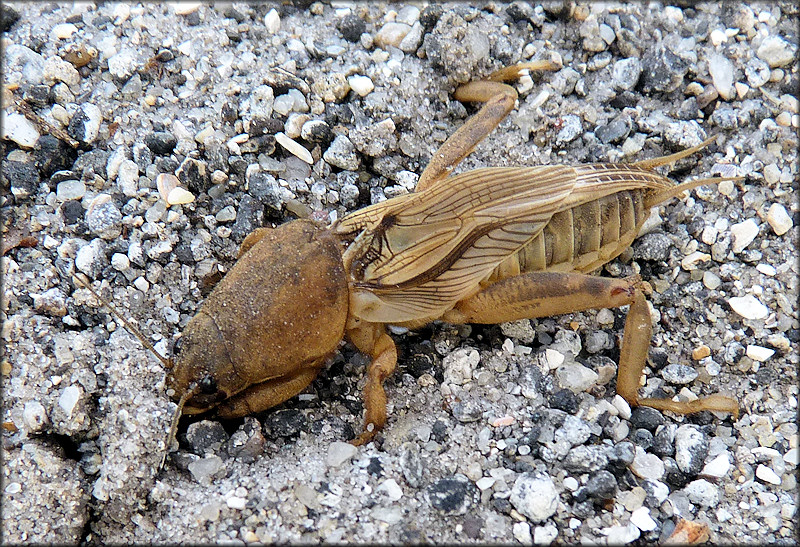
[487, 246]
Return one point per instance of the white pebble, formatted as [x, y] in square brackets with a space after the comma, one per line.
[779, 219]
[690, 262]
[767, 475]
[121, 13]
[622, 407]
[642, 520]
[748, 307]
[743, 234]
[721, 70]
[571, 483]
[142, 284]
[235, 502]
[391, 34]
[70, 189]
[391, 488]
[120, 262]
[576, 377]
[339, 453]
[19, 129]
[535, 496]
[69, 398]
[554, 358]
[759, 353]
[647, 466]
[718, 37]
[361, 84]
[34, 415]
[179, 196]
[272, 21]
[522, 532]
[767, 269]
[128, 177]
[294, 147]
[63, 31]
[185, 8]
[718, 467]
[621, 534]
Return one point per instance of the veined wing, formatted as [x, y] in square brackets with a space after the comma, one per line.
[418, 255]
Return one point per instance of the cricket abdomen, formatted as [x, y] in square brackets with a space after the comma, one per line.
[582, 238]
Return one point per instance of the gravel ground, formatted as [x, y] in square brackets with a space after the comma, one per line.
[507, 433]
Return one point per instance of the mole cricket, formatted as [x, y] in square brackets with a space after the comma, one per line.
[491, 245]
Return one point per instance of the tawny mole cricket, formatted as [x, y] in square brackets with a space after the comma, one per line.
[486, 246]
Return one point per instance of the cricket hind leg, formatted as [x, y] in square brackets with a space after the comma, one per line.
[541, 294]
[498, 99]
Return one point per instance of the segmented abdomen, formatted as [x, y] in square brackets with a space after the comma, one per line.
[581, 239]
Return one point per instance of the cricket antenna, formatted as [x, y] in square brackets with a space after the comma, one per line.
[173, 426]
[133, 330]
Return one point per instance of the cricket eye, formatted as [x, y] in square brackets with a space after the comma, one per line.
[208, 385]
[176, 349]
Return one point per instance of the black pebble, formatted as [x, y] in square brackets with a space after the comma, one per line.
[161, 142]
[352, 27]
[284, 423]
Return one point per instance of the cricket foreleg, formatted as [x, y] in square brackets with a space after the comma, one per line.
[371, 338]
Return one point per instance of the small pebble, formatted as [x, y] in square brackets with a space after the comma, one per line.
[185, 8]
[642, 520]
[718, 467]
[361, 84]
[34, 415]
[691, 449]
[294, 147]
[679, 374]
[702, 493]
[522, 532]
[647, 466]
[70, 189]
[535, 496]
[621, 534]
[748, 307]
[342, 154]
[391, 488]
[576, 377]
[391, 34]
[701, 352]
[128, 177]
[454, 495]
[204, 469]
[272, 21]
[779, 219]
[721, 70]
[766, 474]
[340, 453]
[711, 280]
[179, 196]
[776, 51]
[759, 353]
[743, 234]
[63, 31]
[20, 129]
[69, 399]
[235, 502]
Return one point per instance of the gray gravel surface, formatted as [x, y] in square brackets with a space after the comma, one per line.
[508, 433]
